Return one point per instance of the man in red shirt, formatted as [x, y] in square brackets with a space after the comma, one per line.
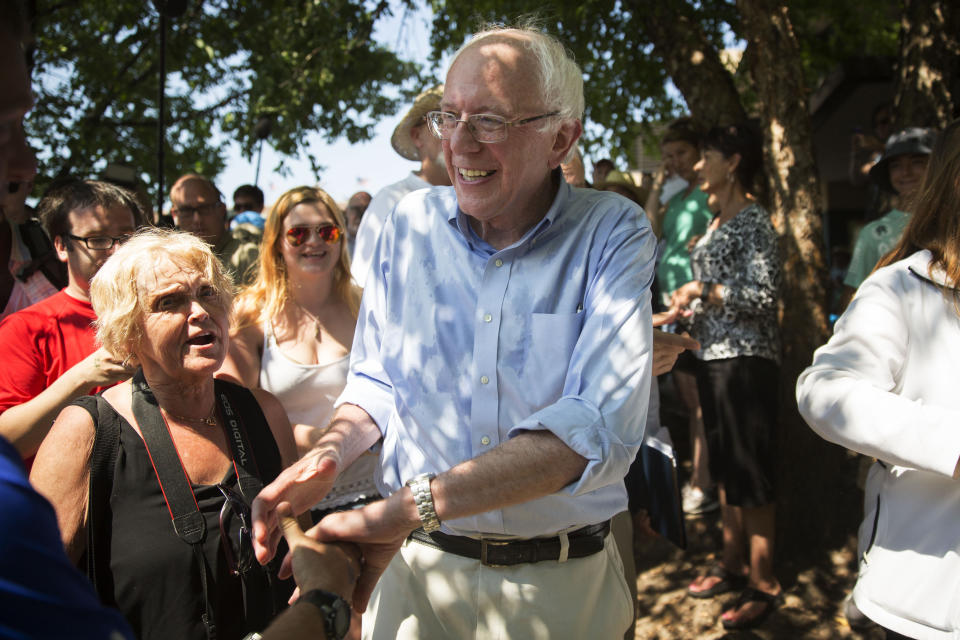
[48, 350]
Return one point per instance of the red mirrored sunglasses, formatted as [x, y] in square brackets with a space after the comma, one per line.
[329, 233]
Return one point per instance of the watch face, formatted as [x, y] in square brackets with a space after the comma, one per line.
[341, 618]
[335, 611]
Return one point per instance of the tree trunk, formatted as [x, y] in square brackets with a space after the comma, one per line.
[810, 471]
[927, 82]
[691, 61]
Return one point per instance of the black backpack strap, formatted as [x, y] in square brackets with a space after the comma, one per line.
[185, 513]
[106, 443]
[43, 256]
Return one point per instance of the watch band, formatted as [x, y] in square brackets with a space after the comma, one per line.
[333, 608]
[423, 498]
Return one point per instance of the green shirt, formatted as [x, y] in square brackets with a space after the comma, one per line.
[876, 240]
[685, 217]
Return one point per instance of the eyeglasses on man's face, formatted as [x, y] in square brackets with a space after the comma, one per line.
[241, 559]
[186, 211]
[299, 234]
[239, 206]
[100, 243]
[485, 127]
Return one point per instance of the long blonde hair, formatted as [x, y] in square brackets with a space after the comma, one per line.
[266, 296]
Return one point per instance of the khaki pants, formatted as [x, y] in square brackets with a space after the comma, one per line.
[426, 594]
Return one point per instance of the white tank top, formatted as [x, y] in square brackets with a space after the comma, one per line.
[307, 393]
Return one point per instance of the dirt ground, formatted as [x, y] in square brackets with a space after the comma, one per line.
[813, 595]
[813, 589]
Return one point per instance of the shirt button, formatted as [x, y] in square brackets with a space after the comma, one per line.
[487, 317]
[484, 440]
[498, 262]
[484, 379]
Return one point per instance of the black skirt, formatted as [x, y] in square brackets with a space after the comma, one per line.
[739, 401]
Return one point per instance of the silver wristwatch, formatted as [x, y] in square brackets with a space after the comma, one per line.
[423, 498]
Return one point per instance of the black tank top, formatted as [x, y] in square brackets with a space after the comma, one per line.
[156, 576]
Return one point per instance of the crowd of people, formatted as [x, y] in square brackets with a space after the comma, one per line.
[446, 384]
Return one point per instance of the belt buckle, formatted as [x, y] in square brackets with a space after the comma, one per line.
[484, 543]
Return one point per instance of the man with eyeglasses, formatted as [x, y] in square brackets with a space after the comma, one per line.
[197, 207]
[502, 361]
[48, 350]
[412, 140]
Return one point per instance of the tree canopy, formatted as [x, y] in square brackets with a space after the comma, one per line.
[311, 66]
[629, 50]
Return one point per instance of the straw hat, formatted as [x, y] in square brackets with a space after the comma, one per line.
[427, 101]
[622, 180]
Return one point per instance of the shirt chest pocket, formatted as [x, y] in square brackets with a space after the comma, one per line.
[553, 337]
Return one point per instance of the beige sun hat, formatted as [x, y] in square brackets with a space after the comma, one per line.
[622, 180]
[427, 101]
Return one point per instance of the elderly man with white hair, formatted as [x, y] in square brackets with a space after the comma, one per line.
[502, 363]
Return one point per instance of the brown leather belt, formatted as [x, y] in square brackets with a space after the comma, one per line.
[502, 553]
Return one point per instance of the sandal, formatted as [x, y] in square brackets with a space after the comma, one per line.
[729, 581]
[747, 596]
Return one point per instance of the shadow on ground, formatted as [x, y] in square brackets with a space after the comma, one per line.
[813, 595]
[814, 589]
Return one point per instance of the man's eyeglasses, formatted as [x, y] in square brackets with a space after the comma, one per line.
[188, 212]
[100, 243]
[239, 561]
[329, 233]
[239, 206]
[485, 127]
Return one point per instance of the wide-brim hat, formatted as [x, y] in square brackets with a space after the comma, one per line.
[401, 141]
[912, 141]
[624, 181]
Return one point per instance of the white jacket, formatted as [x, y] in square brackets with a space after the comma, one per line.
[887, 384]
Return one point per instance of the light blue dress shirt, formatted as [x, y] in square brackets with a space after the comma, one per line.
[460, 347]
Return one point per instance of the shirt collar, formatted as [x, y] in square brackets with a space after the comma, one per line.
[460, 220]
[921, 265]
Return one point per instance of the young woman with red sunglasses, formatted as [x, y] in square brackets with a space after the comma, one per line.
[294, 325]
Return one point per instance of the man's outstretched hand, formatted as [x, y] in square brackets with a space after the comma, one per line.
[301, 485]
[379, 529]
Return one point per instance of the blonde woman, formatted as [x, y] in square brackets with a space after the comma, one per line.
[294, 324]
[118, 468]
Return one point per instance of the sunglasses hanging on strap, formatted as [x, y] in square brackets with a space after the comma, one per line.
[188, 522]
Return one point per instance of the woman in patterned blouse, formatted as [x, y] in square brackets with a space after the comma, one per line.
[733, 303]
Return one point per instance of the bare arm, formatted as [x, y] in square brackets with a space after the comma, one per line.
[25, 425]
[304, 483]
[532, 465]
[280, 427]
[61, 471]
[330, 567]
[652, 205]
[529, 466]
[242, 364]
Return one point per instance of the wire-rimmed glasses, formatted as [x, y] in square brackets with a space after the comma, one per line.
[485, 127]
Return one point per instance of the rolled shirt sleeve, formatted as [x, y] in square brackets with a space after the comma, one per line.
[602, 411]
